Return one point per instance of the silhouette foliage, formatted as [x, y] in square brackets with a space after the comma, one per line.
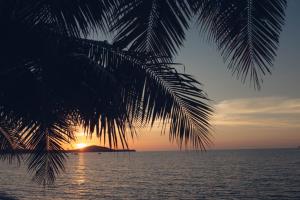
[54, 78]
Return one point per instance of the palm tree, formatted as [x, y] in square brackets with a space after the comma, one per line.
[53, 78]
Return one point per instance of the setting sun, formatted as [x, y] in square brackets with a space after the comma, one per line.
[80, 145]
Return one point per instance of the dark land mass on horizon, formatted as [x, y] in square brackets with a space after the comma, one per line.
[95, 148]
[92, 148]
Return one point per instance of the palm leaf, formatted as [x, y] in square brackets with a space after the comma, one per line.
[10, 140]
[48, 73]
[9, 144]
[45, 139]
[246, 32]
[70, 17]
[153, 90]
[156, 26]
[177, 99]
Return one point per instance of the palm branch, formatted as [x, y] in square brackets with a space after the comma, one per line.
[10, 142]
[116, 83]
[246, 32]
[52, 78]
[156, 26]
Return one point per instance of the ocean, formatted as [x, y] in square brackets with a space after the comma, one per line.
[217, 174]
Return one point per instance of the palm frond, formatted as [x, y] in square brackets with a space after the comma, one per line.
[51, 79]
[246, 32]
[10, 141]
[45, 139]
[71, 17]
[153, 90]
[177, 100]
[156, 26]
[95, 82]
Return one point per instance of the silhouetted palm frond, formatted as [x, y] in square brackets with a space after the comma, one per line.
[153, 90]
[246, 32]
[70, 17]
[122, 88]
[10, 141]
[183, 105]
[45, 139]
[51, 79]
[157, 26]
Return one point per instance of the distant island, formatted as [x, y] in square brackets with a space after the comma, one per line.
[93, 148]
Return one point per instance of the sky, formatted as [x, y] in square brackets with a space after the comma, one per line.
[244, 118]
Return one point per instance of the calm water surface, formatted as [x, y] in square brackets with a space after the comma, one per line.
[240, 174]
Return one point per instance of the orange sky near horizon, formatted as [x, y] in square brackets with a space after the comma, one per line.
[224, 138]
[266, 122]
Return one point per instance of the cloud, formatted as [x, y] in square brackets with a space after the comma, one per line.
[264, 111]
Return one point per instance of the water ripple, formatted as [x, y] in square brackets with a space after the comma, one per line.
[244, 174]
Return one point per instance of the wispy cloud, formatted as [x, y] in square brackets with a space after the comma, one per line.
[266, 111]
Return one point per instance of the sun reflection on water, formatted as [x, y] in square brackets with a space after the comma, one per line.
[80, 171]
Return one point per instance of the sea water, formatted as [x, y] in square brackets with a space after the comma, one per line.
[226, 174]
